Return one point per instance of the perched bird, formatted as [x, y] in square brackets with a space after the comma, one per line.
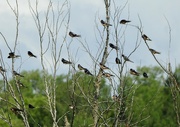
[145, 75]
[126, 58]
[73, 34]
[80, 67]
[65, 61]
[31, 106]
[102, 66]
[21, 84]
[87, 71]
[145, 37]
[31, 54]
[12, 55]
[154, 51]
[117, 60]
[104, 23]
[16, 110]
[107, 74]
[113, 46]
[71, 106]
[115, 97]
[2, 70]
[17, 74]
[123, 21]
[133, 72]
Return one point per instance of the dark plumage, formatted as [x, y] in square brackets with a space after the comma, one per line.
[86, 71]
[73, 34]
[2, 70]
[31, 106]
[17, 74]
[117, 60]
[154, 51]
[133, 72]
[126, 58]
[65, 61]
[31, 54]
[145, 75]
[145, 37]
[102, 66]
[104, 23]
[16, 110]
[80, 67]
[12, 55]
[113, 46]
[21, 84]
[123, 21]
[107, 74]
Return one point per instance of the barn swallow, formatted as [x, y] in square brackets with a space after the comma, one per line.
[65, 61]
[2, 70]
[21, 84]
[87, 71]
[117, 61]
[17, 74]
[16, 110]
[102, 66]
[104, 23]
[123, 21]
[145, 37]
[12, 55]
[73, 34]
[113, 46]
[133, 72]
[154, 51]
[145, 75]
[126, 58]
[31, 54]
[31, 106]
[80, 67]
[107, 74]
[115, 98]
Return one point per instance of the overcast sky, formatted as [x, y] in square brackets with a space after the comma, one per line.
[84, 14]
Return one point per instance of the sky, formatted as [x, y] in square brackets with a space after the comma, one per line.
[85, 16]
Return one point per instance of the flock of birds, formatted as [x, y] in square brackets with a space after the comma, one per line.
[80, 67]
[117, 60]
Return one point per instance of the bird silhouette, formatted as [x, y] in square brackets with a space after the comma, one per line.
[154, 51]
[123, 21]
[2, 69]
[86, 71]
[12, 55]
[104, 23]
[65, 61]
[145, 75]
[117, 60]
[31, 106]
[107, 74]
[113, 46]
[17, 74]
[102, 66]
[80, 67]
[126, 58]
[145, 37]
[31, 54]
[16, 110]
[73, 34]
[133, 72]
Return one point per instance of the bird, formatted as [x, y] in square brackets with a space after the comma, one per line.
[12, 55]
[102, 66]
[86, 71]
[107, 74]
[145, 75]
[65, 61]
[2, 70]
[31, 106]
[115, 97]
[113, 46]
[31, 54]
[145, 37]
[80, 67]
[16, 110]
[133, 72]
[104, 23]
[126, 58]
[17, 74]
[123, 21]
[71, 106]
[154, 51]
[73, 34]
[117, 60]
[21, 84]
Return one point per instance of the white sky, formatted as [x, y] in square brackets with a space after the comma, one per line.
[83, 14]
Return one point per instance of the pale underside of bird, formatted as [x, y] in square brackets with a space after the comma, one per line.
[154, 51]
[145, 37]
[133, 72]
[102, 66]
[65, 61]
[126, 58]
[105, 23]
